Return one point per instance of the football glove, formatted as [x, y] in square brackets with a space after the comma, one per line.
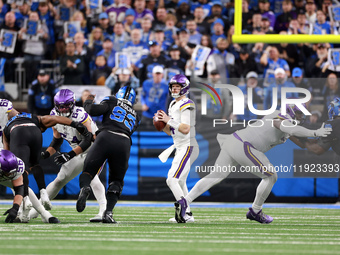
[45, 154]
[64, 157]
[12, 213]
[80, 127]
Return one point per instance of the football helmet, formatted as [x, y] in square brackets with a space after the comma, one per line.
[334, 108]
[181, 80]
[295, 113]
[8, 163]
[64, 102]
[127, 94]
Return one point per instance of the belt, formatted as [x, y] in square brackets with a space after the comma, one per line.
[23, 125]
[121, 134]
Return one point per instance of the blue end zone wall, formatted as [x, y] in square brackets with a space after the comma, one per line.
[286, 186]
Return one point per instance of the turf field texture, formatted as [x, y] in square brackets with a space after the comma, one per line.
[145, 229]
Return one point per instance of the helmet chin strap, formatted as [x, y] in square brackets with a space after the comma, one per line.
[175, 95]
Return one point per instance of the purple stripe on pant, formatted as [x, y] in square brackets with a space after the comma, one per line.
[183, 161]
[254, 159]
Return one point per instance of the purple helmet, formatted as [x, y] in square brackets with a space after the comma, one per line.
[292, 110]
[64, 102]
[8, 162]
[181, 80]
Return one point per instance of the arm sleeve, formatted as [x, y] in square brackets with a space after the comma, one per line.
[298, 131]
[95, 109]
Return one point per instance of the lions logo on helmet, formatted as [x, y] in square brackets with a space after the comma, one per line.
[64, 102]
[181, 80]
[127, 94]
[334, 108]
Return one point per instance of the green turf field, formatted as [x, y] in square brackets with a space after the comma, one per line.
[146, 230]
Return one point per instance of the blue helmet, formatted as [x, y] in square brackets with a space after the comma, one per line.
[127, 93]
[334, 108]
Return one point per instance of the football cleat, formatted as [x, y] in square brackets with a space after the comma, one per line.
[188, 218]
[83, 195]
[26, 208]
[259, 217]
[45, 200]
[53, 220]
[108, 217]
[180, 207]
[97, 218]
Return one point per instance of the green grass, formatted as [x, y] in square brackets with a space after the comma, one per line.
[146, 230]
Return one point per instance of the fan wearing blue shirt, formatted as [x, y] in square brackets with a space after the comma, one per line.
[108, 52]
[270, 60]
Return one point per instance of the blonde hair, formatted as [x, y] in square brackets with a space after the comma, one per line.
[91, 36]
[83, 22]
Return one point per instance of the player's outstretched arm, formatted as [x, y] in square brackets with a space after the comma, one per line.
[51, 120]
[295, 130]
[94, 109]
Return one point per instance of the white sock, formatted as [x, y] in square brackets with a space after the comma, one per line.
[263, 191]
[99, 193]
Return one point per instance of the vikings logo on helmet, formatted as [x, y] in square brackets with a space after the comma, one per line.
[181, 80]
[334, 108]
[64, 102]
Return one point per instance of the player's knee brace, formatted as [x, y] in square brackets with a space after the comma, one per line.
[116, 187]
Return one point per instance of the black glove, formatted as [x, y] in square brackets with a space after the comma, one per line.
[12, 213]
[64, 157]
[45, 154]
[80, 127]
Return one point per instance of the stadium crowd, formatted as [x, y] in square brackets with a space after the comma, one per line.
[160, 38]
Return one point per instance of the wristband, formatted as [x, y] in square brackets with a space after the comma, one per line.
[16, 207]
[72, 154]
[174, 124]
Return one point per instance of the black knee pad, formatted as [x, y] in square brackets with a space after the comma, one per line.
[116, 187]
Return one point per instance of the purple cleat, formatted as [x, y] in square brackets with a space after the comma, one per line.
[180, 206]
[259, 217]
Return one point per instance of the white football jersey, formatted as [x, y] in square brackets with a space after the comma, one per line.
[262, 134]
[5, 107]
[175, 111]
[70, 134]
[16, 175]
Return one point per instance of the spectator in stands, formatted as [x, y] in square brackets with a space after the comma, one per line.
[170, 31]
[33, 47]
[303, 27]
[159, 21]
[322, 26]
[71, 65]
[282, 21]
[325, 4]
[247, 15]
[265, 26]
[221, 60]
[203, 26]
[96, 40]
[183, 13]
[330, 91]
[257, 51]
[175, 62]
[141, 11]
[120, 37]
[47, 13]
[270, 60]
[255, 25]
[264, 7]
[136, 48]
[194, 35]
[103, 21]
[233, 48]
[159, 36]
[83, 50]
[155, 58]
[218, 31]
[108, 52]
[151, 5]
[101, 71]
[79, 16]
[205, 4]
[9, 65]
[146, 29]
[244, 64]
[121, 77]
[116, 11]
[316, 62]
[129, 21]
[299, 5]
[154, 95]
[41, 94]
[251, 82]
[80, 101]
[288, 52]
[315, 117]
[310, 11]
[216, 13]
[183, 43]
[21, 13]
[280, 82]
[299, 81]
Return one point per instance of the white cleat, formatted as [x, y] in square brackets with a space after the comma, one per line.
[45, 201]
[27, 206]
[188, 218]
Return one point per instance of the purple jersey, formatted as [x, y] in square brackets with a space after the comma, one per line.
[117, 13]
[144, 13]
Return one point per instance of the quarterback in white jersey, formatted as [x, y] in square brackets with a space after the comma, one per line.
[73, 161]
[6, 112]
[11, 171]
[181, 126]
[246, 148]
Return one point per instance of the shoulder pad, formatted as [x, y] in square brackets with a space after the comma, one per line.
[187, 104]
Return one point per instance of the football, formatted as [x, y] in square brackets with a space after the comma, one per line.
[159, 124]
